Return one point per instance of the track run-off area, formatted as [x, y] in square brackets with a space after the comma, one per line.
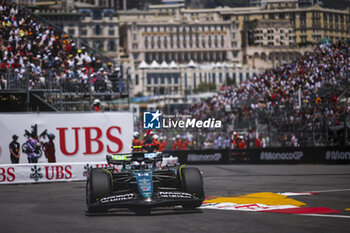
[240, 198]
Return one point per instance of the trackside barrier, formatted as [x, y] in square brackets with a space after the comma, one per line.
[292, 155]
[208, 156]
[46, 172]
[55, 172]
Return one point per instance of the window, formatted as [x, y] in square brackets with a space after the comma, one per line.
[97, 30]
[111, 32]
[97, 14]
[162, 78]
[111, 45]
[169, 78]
[194, 80]
[155, 78]
[71, 31]
[83, 32]
[214, 78]
[176, 78]
[220, 77]
[149, 78]
[136, 79]
[185, 81]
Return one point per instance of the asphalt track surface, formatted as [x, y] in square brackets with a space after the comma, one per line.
[60, 207]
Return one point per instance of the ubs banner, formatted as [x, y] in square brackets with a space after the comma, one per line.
[47, 172]
[209, 156]
[313, 155]
[79, 137]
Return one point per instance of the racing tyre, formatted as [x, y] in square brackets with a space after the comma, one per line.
[192, 182]
[99, 184]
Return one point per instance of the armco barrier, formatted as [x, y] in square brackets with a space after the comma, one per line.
[292, 155]
[208, 156]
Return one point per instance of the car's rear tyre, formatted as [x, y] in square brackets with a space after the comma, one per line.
[192, 182]
[99, 184]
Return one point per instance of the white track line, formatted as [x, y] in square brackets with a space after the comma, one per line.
[328, 191]
[326, 215]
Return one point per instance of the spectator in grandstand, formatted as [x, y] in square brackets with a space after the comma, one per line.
[15, 151]
[218, 142]
[262, 140]
[293, 141]
[207, 144]
[227, 142]
[49, 149]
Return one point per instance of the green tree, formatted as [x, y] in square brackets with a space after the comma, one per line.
[205, 87]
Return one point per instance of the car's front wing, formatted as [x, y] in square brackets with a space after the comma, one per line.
[159, 199]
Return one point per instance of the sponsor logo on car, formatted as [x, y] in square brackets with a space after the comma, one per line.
[297, 155]
[175, 195]
[215, 157]
[338, 155]
[122, 197]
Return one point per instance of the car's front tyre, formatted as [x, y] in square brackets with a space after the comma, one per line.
[192, 182]
[98, 185]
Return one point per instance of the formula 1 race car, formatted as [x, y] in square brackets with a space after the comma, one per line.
[142, 184]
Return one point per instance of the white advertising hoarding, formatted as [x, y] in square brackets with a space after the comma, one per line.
[58, 172]
[47, 172]
[80, 137]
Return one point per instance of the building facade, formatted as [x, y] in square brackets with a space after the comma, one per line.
[179, 80]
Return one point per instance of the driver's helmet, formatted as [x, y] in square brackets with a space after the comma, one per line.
[155, 137]
[136, 134]
[137, 165]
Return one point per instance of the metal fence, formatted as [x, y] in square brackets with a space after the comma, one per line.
[67, 92]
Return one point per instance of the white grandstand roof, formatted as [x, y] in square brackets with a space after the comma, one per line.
[154, 65]
[192, 64]
[143, 65]
[164, 65]
[173, 65]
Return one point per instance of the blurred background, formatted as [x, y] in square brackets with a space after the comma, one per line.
[275, 72]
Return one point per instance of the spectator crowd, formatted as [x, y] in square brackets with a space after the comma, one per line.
[298, 99]
[32, 49]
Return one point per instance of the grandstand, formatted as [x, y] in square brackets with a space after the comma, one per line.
[307, 99]
[43, 69]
